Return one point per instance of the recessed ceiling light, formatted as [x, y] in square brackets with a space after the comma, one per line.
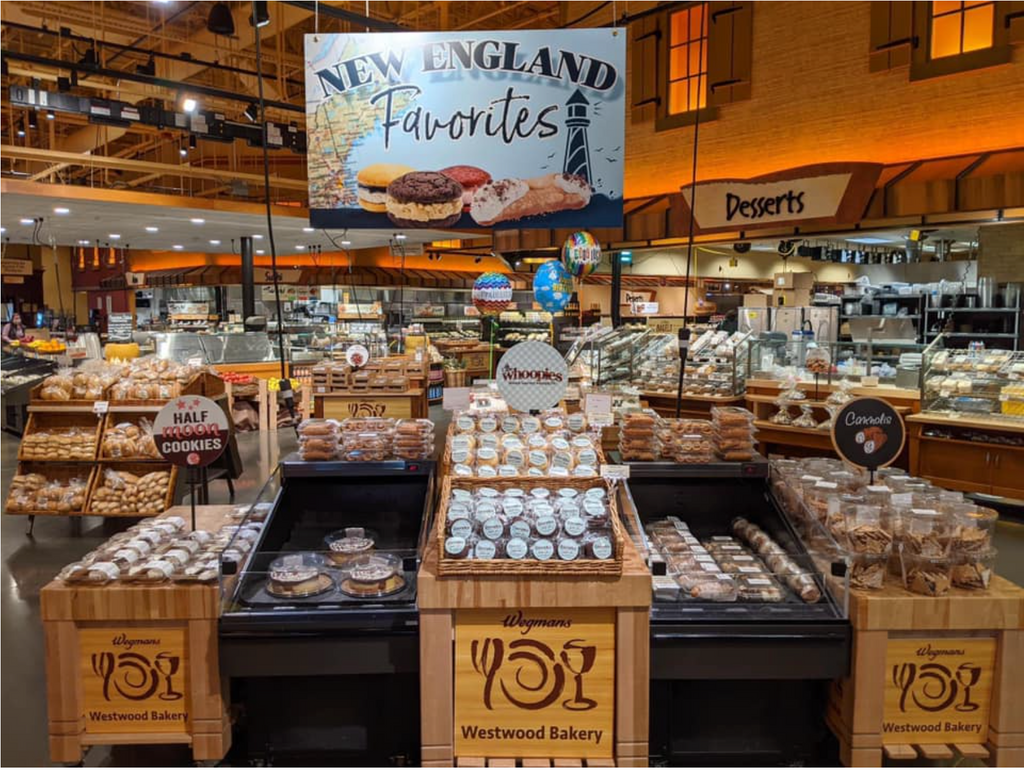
[152, 229]
[61, 210]
[257, 236]
[177, 247]
[83, 242]
[197, 220]
[399, 237]
[27, 221]
[115, 236]
[299, 246]
[259, 251]
[346, 243]
[3, 229]
[307, 229]
[215, 243]
[871, 240]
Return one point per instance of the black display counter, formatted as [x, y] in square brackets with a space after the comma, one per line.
[736, 682]
[16, 395]
[330, 676]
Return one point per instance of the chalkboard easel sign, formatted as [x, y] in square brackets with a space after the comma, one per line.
[868, 433]
[119, 327]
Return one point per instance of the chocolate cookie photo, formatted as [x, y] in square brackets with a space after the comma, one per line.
[424, 199]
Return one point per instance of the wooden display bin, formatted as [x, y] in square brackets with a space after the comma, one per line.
[340, 406]
[933, 677]
[45, 421]
[587, 635]
[135, 664]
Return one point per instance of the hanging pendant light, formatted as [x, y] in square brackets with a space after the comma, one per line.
[220, 21]
[96, 256]
[81, 258]
[111, 257]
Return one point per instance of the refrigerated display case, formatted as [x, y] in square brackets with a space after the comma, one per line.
[742, 679]
[975, 382]
[893, 363]
[324, 612]
[18, 375]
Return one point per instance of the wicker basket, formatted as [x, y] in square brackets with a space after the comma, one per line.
[455, 378]
[55, 471]
[139, 469]
[528, 567]
[44, 421]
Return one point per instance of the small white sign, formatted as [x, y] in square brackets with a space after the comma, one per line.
[455, 399]
[600, 403]
[195, 361]
[357, 356]
[615, 472]
[100, 407]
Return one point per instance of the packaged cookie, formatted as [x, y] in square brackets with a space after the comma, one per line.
[973, 571]
[926, 575]
[867, 571]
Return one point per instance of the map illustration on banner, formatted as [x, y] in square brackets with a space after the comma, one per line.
[466, 129]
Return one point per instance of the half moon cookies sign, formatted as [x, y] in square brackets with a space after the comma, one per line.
[191, 431]
[869, 433]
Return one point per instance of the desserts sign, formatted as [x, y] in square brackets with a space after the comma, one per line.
[868, 432]
[535, 683]
[466, 129]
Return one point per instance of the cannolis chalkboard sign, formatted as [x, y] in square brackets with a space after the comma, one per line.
[472, 129]
[868, 432]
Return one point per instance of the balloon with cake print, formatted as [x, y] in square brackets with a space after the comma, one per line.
[491, 293]
[581, 254]
[552, 286]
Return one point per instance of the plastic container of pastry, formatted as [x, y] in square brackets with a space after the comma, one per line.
[973, 528]
[708, 586]
[925, 575]
[868, 571]
[298, 576]
[759, 588]
[973, 571]
[345, 545]
[371, 577]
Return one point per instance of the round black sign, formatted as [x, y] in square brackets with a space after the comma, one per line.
[868, 432]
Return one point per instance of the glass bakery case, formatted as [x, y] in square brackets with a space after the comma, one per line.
[604, 356]
[742, 615]
[776, 356]
[240, 348]
[976, 382]
[716, 365]
[320, 611]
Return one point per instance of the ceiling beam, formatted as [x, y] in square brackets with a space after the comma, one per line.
[32, 155]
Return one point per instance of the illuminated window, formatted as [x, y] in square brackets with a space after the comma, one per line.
[688, 60]
[960, 27]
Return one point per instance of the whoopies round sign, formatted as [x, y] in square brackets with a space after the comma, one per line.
[532, 376]
[868, 432]
[191, 431]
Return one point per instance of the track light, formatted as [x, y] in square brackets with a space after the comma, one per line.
[63, 84]
[252, 112]
[149, 68]
[220, 21]
[33, 119]
[262, 17]
[192, 141]
[89, 59]
[21, 129]
[478, 260]
[50, 115]
[189, 104]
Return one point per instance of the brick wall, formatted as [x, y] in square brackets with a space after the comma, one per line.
[1001, 252]
[813, 100]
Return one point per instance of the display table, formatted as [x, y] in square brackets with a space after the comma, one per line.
[933, 677]
[472, 617]
[968, 453]
[796, 441]
[136, 664]
[342, 405]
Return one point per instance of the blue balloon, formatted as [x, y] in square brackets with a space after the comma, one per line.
[552, 286]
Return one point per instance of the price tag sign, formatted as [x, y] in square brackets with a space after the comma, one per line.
[195, 361]
[615, 472]
[600, 403]
[100, 407]
[455, 399]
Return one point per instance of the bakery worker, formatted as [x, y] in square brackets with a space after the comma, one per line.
[13, 329]
[730, 323]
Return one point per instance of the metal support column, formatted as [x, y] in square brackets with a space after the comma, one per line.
[248, 279]
[616, 290]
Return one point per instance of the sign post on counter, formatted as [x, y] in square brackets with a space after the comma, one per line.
[191, 432]
[868, 433]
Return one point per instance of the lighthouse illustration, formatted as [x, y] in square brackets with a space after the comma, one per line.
[577, 149]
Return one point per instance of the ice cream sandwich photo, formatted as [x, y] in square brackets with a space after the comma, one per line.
[373, 181]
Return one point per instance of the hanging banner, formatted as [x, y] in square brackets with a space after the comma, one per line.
[473, 129]
[825, 193]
